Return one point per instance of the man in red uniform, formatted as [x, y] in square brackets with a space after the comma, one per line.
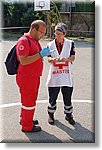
[30, 54]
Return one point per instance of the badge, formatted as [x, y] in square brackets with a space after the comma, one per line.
[21, 47]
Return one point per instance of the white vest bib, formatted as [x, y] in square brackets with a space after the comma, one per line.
[60, 73]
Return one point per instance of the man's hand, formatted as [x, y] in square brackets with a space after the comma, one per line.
[45, 52]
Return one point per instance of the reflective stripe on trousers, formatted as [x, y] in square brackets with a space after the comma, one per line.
[51, 109]
[28, 108]
[68, 109]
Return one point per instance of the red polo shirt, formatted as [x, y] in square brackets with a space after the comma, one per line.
[24, 48]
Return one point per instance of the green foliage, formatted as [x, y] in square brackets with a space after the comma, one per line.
[19, 14]
[85, 7]
[7, 13]
[22, 14]
[55, 7]
[30, 16]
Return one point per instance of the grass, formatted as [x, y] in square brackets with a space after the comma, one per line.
[9, 36]
[85, 39]
[16, 35]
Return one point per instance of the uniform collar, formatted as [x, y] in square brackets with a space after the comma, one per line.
[30, 37]
[59, 42]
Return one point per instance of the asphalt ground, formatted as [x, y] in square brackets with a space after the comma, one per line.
[62, 132]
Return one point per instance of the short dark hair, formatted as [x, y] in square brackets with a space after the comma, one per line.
[35, 24]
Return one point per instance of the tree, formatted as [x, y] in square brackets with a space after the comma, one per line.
[53, 17]
[30, 16]
[7, 13]
[22, 14]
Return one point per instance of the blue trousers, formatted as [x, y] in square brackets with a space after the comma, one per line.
[66, 93]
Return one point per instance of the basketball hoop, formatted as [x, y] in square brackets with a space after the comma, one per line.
[42, 5]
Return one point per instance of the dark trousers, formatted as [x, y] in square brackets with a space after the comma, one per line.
[66, 93]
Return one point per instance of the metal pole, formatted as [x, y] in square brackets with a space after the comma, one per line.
[70, 15]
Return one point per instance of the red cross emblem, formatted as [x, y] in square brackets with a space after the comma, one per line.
[60, 64]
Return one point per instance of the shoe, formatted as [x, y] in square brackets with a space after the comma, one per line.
[51, 119]
[35, 129]
[35, 122]
[70, 119]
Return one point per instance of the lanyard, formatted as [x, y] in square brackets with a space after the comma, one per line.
[59, 45]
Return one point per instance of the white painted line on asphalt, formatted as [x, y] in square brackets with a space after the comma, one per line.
[75, 101]
[9, 105]
[83, 101]
[44, 101]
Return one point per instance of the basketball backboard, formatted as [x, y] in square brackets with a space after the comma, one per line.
[41, 5]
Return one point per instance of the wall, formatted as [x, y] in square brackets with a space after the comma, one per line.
[80, 24]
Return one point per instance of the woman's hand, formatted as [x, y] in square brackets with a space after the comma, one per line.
[63, 59]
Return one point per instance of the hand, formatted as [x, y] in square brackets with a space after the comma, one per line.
[56, 59]
[45, 52]
[63, 59]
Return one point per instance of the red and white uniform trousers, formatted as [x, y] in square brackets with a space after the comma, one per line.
[29, 91]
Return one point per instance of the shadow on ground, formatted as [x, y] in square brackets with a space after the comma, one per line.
[79, 134]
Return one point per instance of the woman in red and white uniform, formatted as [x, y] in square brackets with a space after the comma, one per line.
[60, 73]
